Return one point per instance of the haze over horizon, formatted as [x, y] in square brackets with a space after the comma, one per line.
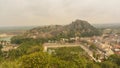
[47, 12]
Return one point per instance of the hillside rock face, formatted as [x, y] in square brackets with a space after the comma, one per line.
[76, 28]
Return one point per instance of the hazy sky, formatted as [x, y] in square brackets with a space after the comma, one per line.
[45, 12]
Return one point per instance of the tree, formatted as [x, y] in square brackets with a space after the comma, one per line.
[58, 63]
[72, 55]
[1, 52]
[92, 65]
[115, 59]
[108, 64]
[44, 60]
[35, 60]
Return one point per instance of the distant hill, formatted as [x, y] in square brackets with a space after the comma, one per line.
[15, 28]
[76, 28]
[112, 26]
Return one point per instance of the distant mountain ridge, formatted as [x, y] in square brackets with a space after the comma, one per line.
[15, 28]
[113, 25]
[76, 28]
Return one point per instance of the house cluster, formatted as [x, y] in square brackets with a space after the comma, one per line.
[108, 43]
[7, 46]
[116, 49]
[4, 42]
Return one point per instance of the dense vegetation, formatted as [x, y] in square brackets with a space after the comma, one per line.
[30, 55]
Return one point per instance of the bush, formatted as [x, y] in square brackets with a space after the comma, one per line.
[34, 49]
[115, 59]
[92, 65]
[44, 60]
[35, 60]
[9, 64]
[108, 64]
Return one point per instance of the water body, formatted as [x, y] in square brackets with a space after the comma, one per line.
[6, 38]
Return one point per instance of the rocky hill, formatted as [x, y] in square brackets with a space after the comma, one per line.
[76, 28]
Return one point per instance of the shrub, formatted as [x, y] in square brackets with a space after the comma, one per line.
[37, 60]
[9, 64]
